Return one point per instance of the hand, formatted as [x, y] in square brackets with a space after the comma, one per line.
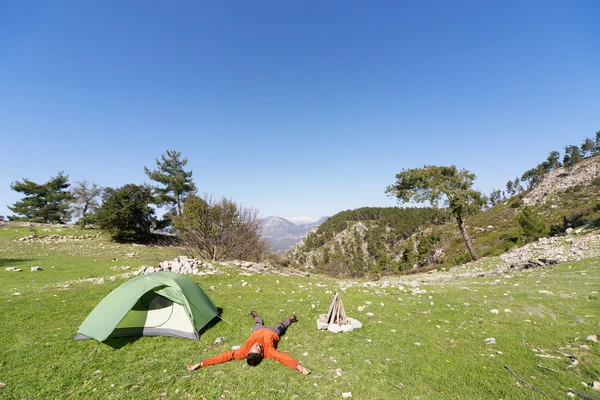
[302, 370]
[194, 367]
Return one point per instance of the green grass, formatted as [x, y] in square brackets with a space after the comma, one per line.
[427, 346]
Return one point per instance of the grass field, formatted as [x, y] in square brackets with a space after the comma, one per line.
[415, 346]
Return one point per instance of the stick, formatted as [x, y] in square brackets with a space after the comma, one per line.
[330, 308]
[549, 369]
[331, 317]
[524, 382]
[582, 395]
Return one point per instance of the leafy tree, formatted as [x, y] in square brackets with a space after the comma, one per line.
[531, 176]
[532, 224]
[85, 201]
[588, 147]
[517, 185]
[177, 182]
[495, 197]
[554, 160]
[126, 213]
[433, 183]
[46, 203]
[598, 141]
[572, 156]
[510, 189]
[219, 230]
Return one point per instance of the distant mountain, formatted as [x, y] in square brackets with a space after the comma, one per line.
[282, 235]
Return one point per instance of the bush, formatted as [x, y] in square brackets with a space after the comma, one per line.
[511, 241]
[532, 224]
[461, 259]
[516, 203]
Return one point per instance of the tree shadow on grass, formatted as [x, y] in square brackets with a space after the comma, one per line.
[7, 262]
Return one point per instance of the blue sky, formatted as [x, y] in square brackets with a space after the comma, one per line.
[294, 108]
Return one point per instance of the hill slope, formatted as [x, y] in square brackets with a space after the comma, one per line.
[352, 246]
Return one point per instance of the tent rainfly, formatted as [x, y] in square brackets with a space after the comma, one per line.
[158, 304]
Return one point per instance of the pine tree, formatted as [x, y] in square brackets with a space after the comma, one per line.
[433, 183]
[587, 147]
[572, 156]
[177, 182]
[45, 203]
[554, 160]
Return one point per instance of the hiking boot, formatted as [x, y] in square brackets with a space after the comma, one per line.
[253, 314]
[292, 318]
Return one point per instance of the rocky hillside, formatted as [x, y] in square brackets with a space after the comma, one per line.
[566, 198]
[557, 182]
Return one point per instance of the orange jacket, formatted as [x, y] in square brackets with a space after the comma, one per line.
[267, 338]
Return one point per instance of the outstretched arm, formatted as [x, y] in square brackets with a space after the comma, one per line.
[194, 367]
[288, 360]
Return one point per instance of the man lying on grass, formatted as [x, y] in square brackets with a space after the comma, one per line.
[262, 343]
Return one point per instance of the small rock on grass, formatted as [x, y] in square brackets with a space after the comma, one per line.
[346, 395]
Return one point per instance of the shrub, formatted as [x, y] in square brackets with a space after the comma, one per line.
[461, 259]
[532, 224]
[511, 241]
[222, 230]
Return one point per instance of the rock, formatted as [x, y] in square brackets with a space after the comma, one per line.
[14, 269]
[322, 325]
[346, 395]
[355, 323]
[592, 338]
[177, 266]
[335, 328]
[490, 341]
[568, 231]
[36, 268]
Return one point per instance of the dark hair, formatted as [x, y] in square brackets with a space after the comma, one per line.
[253, 359]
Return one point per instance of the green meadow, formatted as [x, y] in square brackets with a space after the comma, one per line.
[439, 339]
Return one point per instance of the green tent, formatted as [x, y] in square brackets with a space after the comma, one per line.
[158, 304]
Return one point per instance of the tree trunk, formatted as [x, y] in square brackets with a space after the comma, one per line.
[466, 238]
